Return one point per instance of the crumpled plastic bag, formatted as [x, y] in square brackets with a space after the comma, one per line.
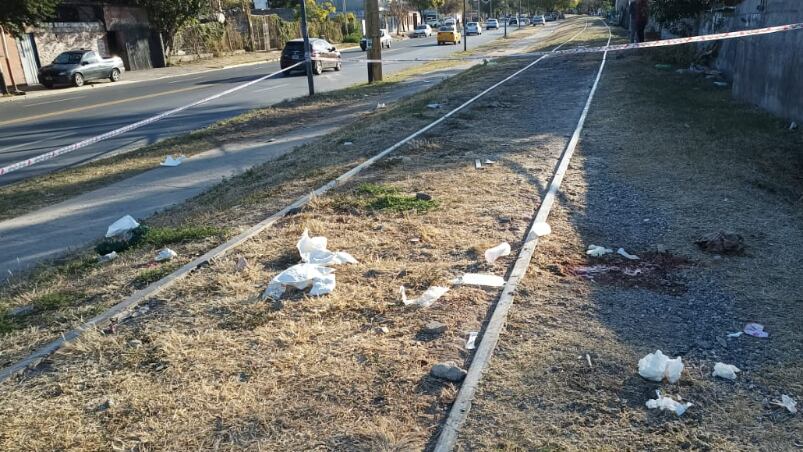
[598, 251]
[478, 279]
[173, 161]
[626, 255]
[755, 330]
[165, 254]
[656, 366]
[301, 276]
[426, 299]
[313, 250]
[726, 371]
[788, 403]
[492, 254]
[122, 226]
[542, 229]
[666, 403]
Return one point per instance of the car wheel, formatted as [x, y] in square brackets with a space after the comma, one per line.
[47, 85]
[317, 68]
[115, 76]
[338, 66]
[78, 79]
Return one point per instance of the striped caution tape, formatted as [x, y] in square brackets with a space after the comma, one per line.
[82, 144]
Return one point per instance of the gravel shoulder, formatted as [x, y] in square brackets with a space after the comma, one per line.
[207, 365]
[664, 159]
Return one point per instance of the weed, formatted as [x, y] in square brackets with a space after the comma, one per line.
[57, 300]
[161, 236]
[150, 275]
[383, 197]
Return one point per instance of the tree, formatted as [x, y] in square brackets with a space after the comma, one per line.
[399, 10]
[667, 11]
[15, 15]
[170, 16]
[317, 12]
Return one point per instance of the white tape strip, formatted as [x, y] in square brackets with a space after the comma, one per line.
[130, 127]
[619, 47]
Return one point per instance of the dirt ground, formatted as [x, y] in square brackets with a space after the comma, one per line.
[664, 159]
[207, 365]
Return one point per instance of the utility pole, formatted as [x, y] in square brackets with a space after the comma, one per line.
[506, 20]
[465, 35]
[373, 40]
[518, 18]
[307, 48]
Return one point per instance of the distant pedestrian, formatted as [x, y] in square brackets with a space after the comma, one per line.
[638, 12]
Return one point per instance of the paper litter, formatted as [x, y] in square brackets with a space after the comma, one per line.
[121, 226]
[788, 403]
[542, 229]
[173, 161]
[312, 270]
[727, 371]
[477, 279]
[492, 254]
[426, 299]
[472, 338]
[598, 251]
[477, 164]
[666, 403]
[656, 366]
[736, 334]
[434, 106]
[626, 255]
[165, 254]
[755, 330]
[107, 257]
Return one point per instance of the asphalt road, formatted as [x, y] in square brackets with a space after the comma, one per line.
[33, 126]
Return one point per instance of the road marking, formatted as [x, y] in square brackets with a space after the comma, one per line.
[269, 88]
[52, 101]
[35, 142]
[104, 104]
[185, 80]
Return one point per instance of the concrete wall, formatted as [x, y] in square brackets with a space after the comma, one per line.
[14, 59]
[766, 70]
[54, 38]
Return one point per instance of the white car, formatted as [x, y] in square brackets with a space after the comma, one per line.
[422, 30]
[473, 28]
[491, 24]
[538, 20]
[449, 21]
[384, 39]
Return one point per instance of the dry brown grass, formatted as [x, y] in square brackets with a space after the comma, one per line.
[664, 158]
[216, 368]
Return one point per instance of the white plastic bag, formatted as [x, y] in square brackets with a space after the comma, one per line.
[598, 251]
[165, 254]
[121, 226]
[656, 366]
[313, 250]
[173, 161]
[788, 403]
[301, 276]
[107, 257]
[755, 330]
[471, 342]
[492, 254]
[626, 255]
[477, 279]
[727, 371]
[666, 403]
[426, 299]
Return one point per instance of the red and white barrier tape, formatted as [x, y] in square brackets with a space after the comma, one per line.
[642, 45]
[128, 128]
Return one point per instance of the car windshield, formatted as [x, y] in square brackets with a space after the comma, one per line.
[295, 46]
[68, 58]
[471, 24]
[421, 27]
[447, 28]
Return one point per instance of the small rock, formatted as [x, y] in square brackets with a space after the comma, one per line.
[434, 327]
[721, 243]
[381, 330]
[448, 371]
[555, 269]
[21, 311]
[423, 197]
[242, 264]
[135, 343]
[504, 219]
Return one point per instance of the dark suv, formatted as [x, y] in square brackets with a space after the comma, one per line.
[293, 53]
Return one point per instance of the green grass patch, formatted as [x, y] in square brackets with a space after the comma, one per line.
[57, 300]
[150, 275]
[158, 237]
[383, 198]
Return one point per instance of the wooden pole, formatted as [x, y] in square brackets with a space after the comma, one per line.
[373, 40]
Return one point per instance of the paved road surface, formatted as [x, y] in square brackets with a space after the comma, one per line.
[33, 126]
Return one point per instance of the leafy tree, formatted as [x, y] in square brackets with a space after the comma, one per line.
[317, 12]
[399, 10]
[667, 11]
[421, 5]
[169, 16]
[16, 14]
